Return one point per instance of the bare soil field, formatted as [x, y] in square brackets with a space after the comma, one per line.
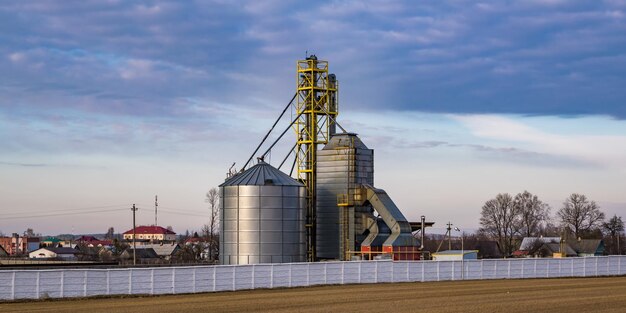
[604, 294]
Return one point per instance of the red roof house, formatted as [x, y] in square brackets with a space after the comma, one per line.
[92, 241]
[151, 233]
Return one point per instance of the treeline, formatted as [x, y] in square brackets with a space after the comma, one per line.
[507, 219]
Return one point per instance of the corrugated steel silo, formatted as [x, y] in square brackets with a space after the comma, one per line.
[262, 217]
[343, 165]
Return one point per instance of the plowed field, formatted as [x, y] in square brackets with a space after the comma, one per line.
[606, 294]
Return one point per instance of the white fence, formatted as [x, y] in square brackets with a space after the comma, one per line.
[59, 283]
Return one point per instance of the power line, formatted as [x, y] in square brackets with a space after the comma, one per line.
[66, 210]
[177, 209]
[183, 213]
[60, 214]
[19, 214]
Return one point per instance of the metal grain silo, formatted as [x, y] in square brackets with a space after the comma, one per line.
[343, 165]
[262, 217]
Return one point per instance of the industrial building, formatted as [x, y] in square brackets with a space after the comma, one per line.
[330, 209]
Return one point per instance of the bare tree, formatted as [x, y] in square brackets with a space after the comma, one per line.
[118, 247]
[187, 254]
[614, 227]
[499, 220]
[110, 233]
[532, 213]
[580, 215]
[549, 229]
[213, 198]
[30, 233]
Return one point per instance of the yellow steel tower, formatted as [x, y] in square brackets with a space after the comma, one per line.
[317, 109]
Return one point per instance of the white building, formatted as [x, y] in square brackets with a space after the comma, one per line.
[68, 254]
[153, 233]
[455, 255]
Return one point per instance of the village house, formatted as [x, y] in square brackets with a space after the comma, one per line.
[3, 253]
[91, 241]
[65, 254]
[588, 247]
[17, 245]
[552, 246]
[164, 250]
[151, 233]
[144, 256]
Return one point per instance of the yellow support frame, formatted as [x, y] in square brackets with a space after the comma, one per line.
[317, 108]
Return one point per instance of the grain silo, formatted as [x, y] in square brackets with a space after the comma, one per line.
[262, 217]
[343, 165]
[331, 211]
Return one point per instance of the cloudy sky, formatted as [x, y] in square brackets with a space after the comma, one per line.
[108, 103]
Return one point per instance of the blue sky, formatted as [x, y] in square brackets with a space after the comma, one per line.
[107, 103]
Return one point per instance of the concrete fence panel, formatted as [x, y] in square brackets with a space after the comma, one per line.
[64, 283]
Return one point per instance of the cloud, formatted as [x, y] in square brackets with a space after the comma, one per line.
[16, 57]
[526, 57]
[506, 154]
[606, 150]
[186, 71]
[25, 164]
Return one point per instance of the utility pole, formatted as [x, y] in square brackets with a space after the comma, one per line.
[134, 209]
[156, 205]
[449, 236]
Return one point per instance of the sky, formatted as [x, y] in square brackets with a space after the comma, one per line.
[105, 104]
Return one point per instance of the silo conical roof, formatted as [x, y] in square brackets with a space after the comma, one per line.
[259, 175]
[344, 140]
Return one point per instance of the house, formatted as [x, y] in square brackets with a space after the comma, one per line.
[151, 233]
[551, 249]
[203, 244]
[94, 253]
[144, 255]
[16, 244]
[66, 254]
[487, 249]
[528, 242]
[51, 242]
[532, 246]
[455, 255]
[92, 241]
[163, 250]
[588, 247]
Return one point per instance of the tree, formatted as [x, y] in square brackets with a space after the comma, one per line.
[499, 220]
[213, 198]
[118, 247]
[29, 233]
[187, 254]
[549, 229]
[532, 213]
[614, 227]
[110, 234]
[580, 215]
